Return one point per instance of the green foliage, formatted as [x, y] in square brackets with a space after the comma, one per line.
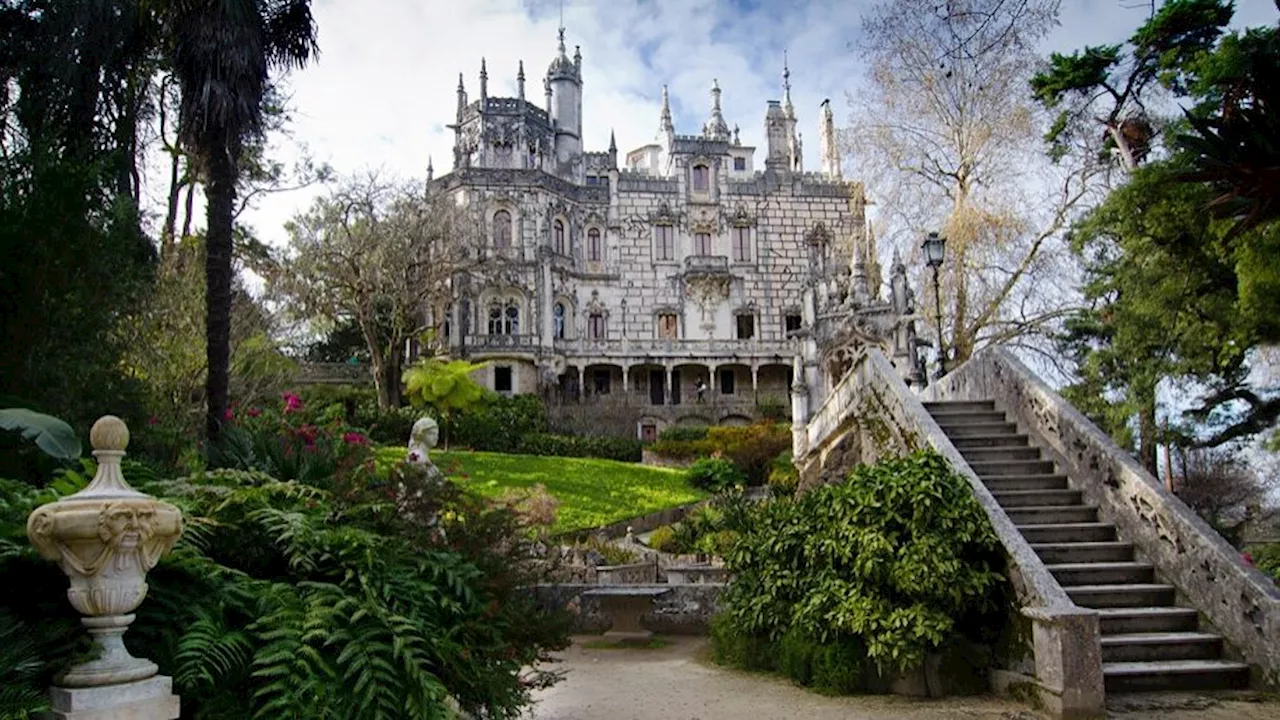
[53, 436]
[751, 448]
[714, 474]
[445, 386]
[1267, 559]
[681, 450]
[591, 492]
[896, 562]
[663, 539]
[683, 433]
[501, 424]
[612, 553]
[772, 408]
[585, 446]
[784, 476]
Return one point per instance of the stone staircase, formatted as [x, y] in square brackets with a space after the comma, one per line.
[1148, 642]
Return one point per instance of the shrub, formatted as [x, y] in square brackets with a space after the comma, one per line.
[772, 408]
[751, 448]
[714, 474]
[683, 433]
[784, 476]
[612, 553]
[1267, 559]
[735, 648]
[501, 424]
[681, 449]
[592, 446]
[896, 562]
[663, 539]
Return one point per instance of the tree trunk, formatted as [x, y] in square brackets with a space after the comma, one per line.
[392, 370]
[221, 193]
[1147, 429]
[171, 209]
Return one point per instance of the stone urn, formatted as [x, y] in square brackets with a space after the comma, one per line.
[106, 537]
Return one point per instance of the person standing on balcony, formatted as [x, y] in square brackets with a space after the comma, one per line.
[701, 388]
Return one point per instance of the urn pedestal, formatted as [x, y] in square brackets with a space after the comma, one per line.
[106, 538]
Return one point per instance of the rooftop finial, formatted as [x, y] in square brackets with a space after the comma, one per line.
[562, 35]
[484, 80]
[665, 124]
[520, 80]
[613, 143]
[431, 171]
[786, 87]
[715, 128]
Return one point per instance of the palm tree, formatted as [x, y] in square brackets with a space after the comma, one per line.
[223, 53]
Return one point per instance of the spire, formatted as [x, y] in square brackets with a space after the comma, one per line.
[664, 123]
[462, 95]
[613, 143]
[561, 46]
[430, 170]
[577, 57]
[715, 128]
[520, 80]
[736, 141]
[484, 81]
[828, 146]
[561, 66]
[786, 89]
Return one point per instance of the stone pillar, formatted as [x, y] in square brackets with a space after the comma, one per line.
[755, 383]
[799, 411]
[106, 538]
[1068, 657]
[626, 384]
[668, 390]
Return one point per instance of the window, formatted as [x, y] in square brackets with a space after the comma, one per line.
[557, 320]
[790, 324]
[739, 163]
[746, 327]
[502, 229]
[595, 326]
[664, 242]
[558, 233]
[668, 326]
[504, 319]
[595, 253]
[727, 379]
[502, 379]
[702, 243]
[742, 244]
[600, 381]
[701, 178]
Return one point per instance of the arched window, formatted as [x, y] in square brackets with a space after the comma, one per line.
[512, 320]
[595, 326]
[557, 320]
[595, 251]
[701, 178]
[502, 229]
[558, 232]
[495, 319]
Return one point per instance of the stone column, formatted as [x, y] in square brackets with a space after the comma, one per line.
[668, 390]
[106, 538]
[755, 383]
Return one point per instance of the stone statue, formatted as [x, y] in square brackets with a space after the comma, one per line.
[423, 437]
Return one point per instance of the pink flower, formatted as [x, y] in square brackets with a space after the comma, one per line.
[355, 438]
[254, 412]
[153, 420]
[413, 456]
[1248, 559]
[291, 402]
[229, 414]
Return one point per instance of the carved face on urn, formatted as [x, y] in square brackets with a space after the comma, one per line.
[126, 527]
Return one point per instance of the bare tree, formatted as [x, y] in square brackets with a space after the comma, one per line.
[385, 254]
[947, 136]
[1226, 491]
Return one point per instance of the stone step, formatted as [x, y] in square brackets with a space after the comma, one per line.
[1006, 483]
[1069, 532]
[1083, 552]
[1102, 573]
[998, 454]
[1012, 467]
[964, 443]
[1127, 595]
[1174, 675]
[979, 429]
[952, 419]
[1121, 621]
[960, 406]
[1147, 647]
[1042, 498]
[1041, 515]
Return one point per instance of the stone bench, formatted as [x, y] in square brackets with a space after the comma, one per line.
[625, 605]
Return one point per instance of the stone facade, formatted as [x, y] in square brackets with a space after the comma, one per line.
[633, 281]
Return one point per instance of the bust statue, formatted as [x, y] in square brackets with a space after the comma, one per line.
[423, 437]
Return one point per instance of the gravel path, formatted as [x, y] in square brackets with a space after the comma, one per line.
[677, 683]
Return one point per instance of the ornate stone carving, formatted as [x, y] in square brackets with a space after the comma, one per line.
[106, 538]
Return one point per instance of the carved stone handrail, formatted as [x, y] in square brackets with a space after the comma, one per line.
[1241, 603]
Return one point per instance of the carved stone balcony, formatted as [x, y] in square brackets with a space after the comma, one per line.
[502, 343]
[706, 266]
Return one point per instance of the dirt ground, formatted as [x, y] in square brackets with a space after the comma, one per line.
[676, 682]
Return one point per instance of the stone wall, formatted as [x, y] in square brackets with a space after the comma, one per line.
[1053, 645]
[685, 610]
[1210, 575]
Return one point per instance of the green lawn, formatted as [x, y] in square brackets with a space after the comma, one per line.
[591, 492]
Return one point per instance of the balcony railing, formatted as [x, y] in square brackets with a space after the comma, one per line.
[677, 348]
[706, 265]
[501, 342]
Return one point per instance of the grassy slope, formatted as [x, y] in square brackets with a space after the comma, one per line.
[591, 492]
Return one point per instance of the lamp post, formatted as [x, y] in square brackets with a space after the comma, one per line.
[934, 248]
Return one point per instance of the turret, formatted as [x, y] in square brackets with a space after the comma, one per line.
[564, 79]
[778, 147]
[484, 84]
[715, 128]
[520, 81]
[827, 145]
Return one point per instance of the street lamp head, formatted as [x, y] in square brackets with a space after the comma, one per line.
[934, 249]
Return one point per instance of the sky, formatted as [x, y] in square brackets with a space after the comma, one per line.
[383, 89]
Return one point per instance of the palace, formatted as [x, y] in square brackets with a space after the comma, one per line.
[678, 282]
